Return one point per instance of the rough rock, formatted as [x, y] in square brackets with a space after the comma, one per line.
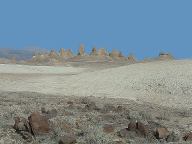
[123, 133]
[102, 52]
[62, 52]
[165, 56]
[93, 52]
[39, 124]
[52, 54]
[161, 133]
[67, 139]
[115, 54]
[188, 137]
[132, 126]
[142, 129]
[131, 58]
[108, 128]
[173, 137]
[91, 106]
[21, 124]
[81, 51]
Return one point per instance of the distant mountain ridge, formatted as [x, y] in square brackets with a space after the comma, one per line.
[19, 54]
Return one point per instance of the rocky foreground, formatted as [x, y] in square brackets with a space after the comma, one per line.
[37, 118]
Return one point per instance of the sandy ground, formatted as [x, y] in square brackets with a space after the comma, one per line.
[166, 83]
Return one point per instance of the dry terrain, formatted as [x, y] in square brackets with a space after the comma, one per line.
[94, 103]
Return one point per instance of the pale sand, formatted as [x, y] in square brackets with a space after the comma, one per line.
[165, 83]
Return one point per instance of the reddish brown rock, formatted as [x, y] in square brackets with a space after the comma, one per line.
[142, 129]
[67, 139]
[107, 128]
[132, 126]
[39, 124]
[188, 137]
[161, 133]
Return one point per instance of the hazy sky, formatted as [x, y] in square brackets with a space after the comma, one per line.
[140, 27]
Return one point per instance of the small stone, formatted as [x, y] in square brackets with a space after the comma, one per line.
[21, 124]
[67, 139]
[123, 133]
[142, 129]
[107, 128]
[39, 124]
[161, 133]
[132, 126]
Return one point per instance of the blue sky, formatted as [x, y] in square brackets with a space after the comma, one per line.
[140, 27]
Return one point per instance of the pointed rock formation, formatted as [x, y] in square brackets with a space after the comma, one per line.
[62, 52]
[68, 53]
[131, 58]
[53, 54]
[81, 50]
[102, 52]
[93, 52]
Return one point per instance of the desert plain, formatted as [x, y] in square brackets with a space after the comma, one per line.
[93, 104]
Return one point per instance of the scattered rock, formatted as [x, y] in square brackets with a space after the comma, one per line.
[132, 126]
[39, 124]
[91, 106]
[173, 137]
[161, 133]
[142, 129]
[108, 128]
[67, 139]
[27, 136]
[108, 108]
[21, 124]
[188, 137]
[123, 133]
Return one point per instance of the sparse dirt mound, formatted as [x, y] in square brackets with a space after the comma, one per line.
[131, 59]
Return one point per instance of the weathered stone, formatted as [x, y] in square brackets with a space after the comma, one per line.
[62, 52]
[53, 54]
[39, 124]
[173, 137]
[91, 106]
[123, 133]
[67, 139]
[132, 126]
[108, 128]
[21, 124]
[93, 52]
[142, 129]
[81, 51]
[161, 133]
[188, 137]
[102, 52]
[131, 59]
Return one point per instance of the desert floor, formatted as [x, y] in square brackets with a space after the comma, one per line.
[160, 91]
